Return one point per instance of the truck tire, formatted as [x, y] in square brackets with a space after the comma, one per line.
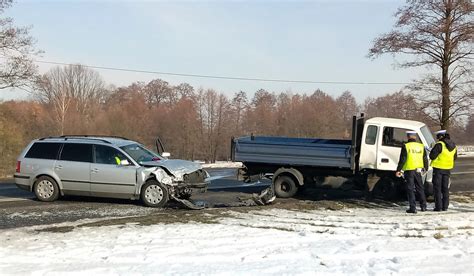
[428, 189]
[388, 188]
[285, 186]
[154, 194]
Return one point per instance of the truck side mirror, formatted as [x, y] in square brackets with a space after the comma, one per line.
[166, 154]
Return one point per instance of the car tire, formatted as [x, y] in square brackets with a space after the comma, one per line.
[285, 186]
[154, 194]
[46, 189]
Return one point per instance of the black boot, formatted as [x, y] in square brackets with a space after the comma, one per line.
[411, 211]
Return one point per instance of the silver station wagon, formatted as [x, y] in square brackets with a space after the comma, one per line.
[105, 166]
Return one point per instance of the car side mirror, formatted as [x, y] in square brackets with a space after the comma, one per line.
[124, 162]
[166, 154]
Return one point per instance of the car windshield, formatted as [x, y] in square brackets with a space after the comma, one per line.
[428, 136]
[140, 154]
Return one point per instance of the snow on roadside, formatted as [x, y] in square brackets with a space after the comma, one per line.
[466, 151]
[273, 241]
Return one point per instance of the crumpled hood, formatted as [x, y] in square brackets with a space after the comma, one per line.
[449, 144]
[175, 166]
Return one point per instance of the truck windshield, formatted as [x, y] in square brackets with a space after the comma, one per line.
[140, 153]
[428, 136]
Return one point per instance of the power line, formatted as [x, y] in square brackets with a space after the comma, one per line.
[221, 77]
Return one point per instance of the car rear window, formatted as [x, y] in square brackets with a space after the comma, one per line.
[76, 152]
[43, 150]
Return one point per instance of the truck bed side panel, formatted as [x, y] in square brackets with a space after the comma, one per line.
[293, 151]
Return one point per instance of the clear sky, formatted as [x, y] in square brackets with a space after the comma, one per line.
[303, 40]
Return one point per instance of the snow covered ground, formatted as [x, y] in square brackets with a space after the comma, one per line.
[466, 151]
[379, 240]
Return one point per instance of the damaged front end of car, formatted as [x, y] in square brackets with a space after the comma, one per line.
[181, 178]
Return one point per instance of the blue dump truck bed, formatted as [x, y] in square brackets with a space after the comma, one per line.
[293, 151]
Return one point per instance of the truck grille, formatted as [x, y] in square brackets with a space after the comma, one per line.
[195, 177]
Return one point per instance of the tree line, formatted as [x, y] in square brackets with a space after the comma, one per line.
[197, 123]
[193, 123]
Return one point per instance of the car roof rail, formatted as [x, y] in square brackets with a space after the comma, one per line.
[95, 136]
[88, 137]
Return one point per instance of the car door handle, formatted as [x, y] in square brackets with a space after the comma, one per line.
[95, 170]
[384, 160]
[58, 167]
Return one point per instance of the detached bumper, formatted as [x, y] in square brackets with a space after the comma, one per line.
[194, 187]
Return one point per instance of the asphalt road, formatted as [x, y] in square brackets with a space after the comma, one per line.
[20, 208]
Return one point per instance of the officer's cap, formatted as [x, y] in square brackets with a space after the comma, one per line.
[410, 132]
[440, 132]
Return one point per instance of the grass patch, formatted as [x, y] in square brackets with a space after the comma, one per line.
[439, 228]
[60, 229]
[438, 236]
[467, 227]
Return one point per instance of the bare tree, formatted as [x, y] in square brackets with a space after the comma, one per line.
[184, 90]
[86, 86]
[439, 33]
[261, 119]
[347, 105]
[396, 105]
[159, 91]
[16, 51]
[470, 129]
[52, 90]
[238, 106]
[62, 87]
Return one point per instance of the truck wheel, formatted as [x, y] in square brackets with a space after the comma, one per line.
[154, 194]
[285, 186]
[388, 189]
[46, 189]
[428, 189]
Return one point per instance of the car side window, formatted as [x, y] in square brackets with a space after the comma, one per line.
[395, 137]
[44, 151]
[76, 152]
[371, 135]
[108, 155]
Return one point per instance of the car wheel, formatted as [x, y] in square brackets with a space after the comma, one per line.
[154, 194]
[46, 189]
[285, 186]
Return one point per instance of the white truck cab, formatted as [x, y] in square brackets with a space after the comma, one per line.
[383, 138]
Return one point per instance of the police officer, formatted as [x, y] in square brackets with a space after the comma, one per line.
[443, 155]
[413, 159]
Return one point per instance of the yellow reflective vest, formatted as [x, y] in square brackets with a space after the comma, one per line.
[415, 153]
[445, 159]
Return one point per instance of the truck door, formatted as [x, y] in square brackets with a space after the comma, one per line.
[390, 144]
[368, 153]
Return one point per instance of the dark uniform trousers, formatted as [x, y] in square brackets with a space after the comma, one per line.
[415, 185]
[441, 188]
